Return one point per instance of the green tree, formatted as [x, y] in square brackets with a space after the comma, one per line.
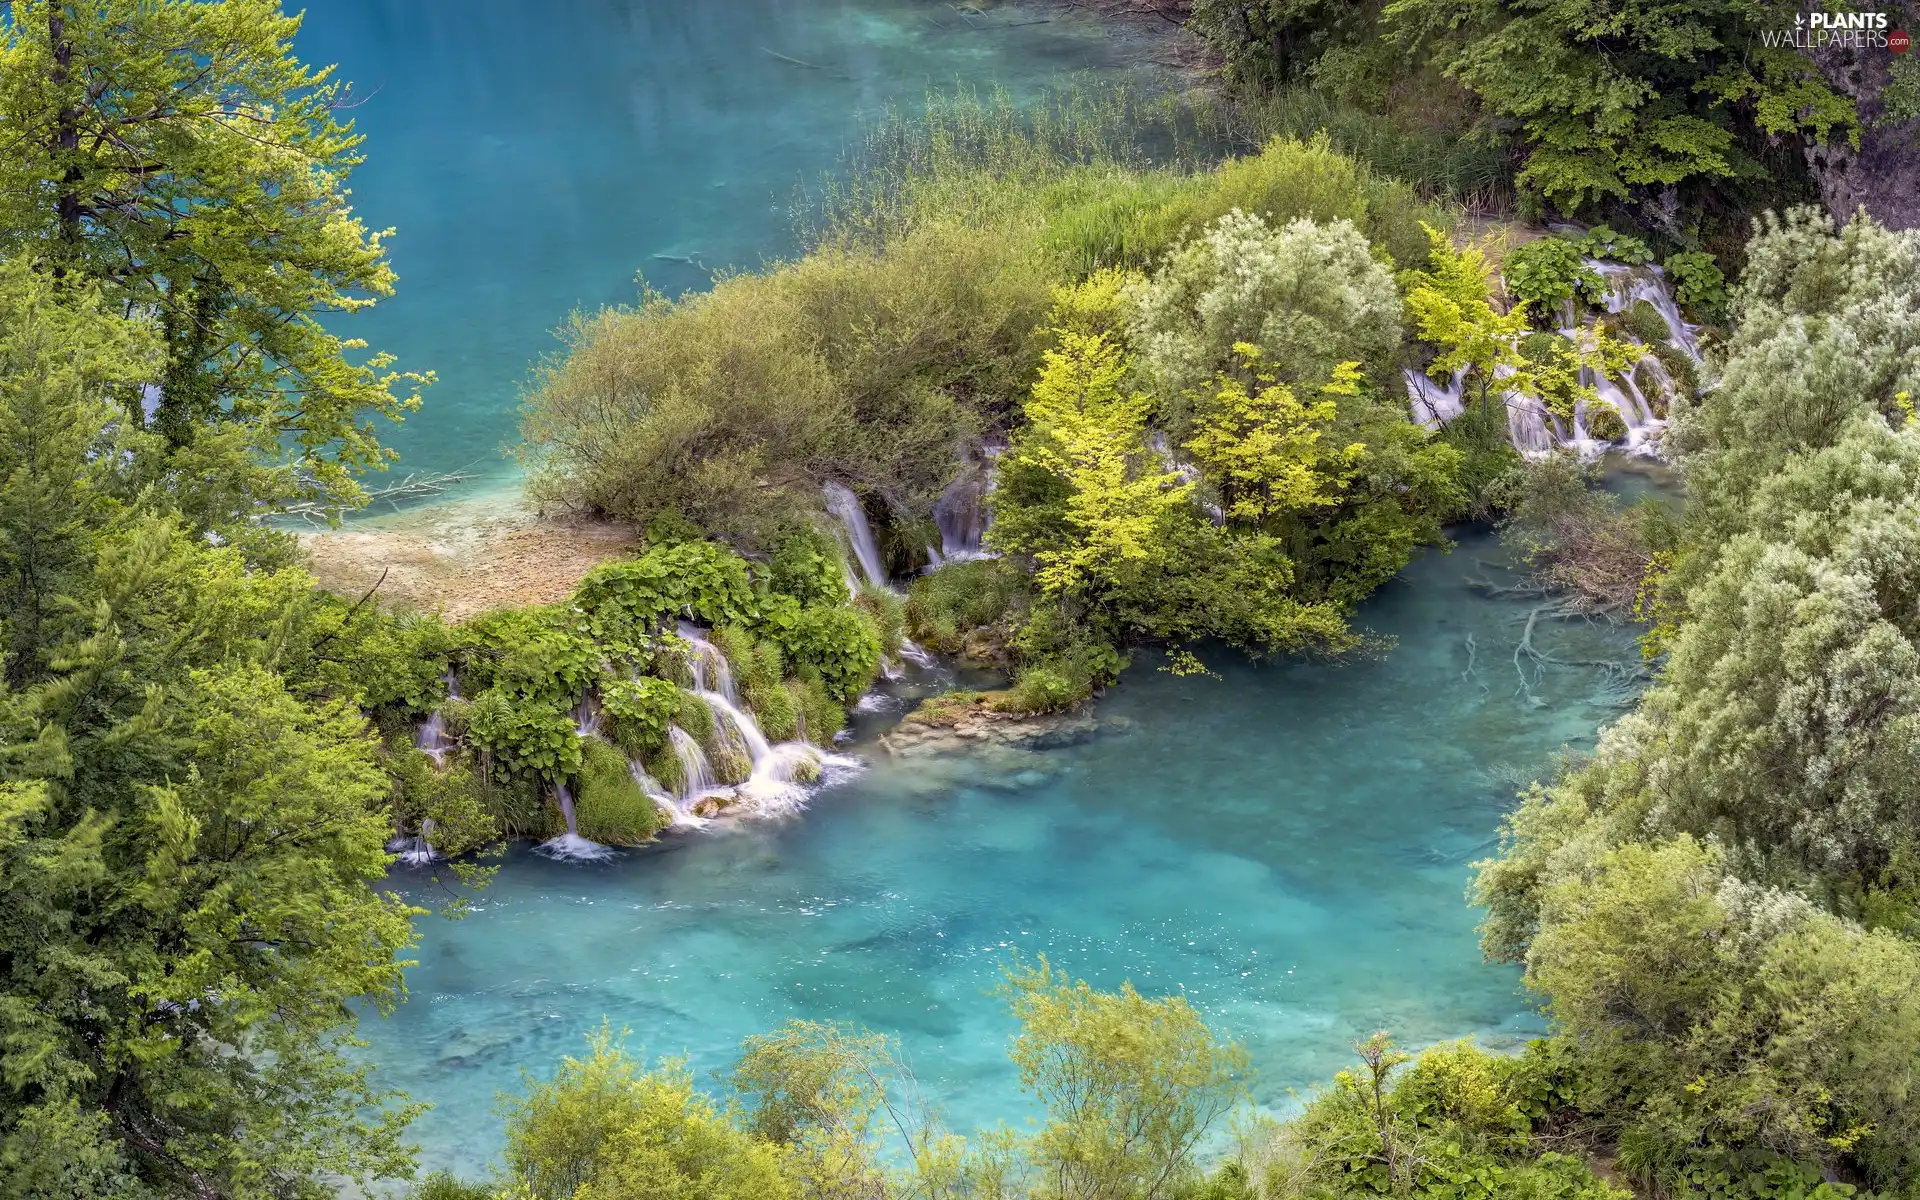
[1090, 435]
[190, 826]
[1309, 295]
[1131, 1085]
[1620, 100]
[177, 154]
[607, 1128]
[1263, 449]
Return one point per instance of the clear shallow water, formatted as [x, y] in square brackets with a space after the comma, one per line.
[1286, 845]
[535, 157]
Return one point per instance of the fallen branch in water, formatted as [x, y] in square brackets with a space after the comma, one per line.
[1618, 673]
[416, 486]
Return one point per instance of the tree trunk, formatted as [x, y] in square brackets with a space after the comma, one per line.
[66, 140]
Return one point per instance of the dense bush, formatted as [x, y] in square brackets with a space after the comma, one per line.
[609, 805]
[945, 606]
[733, 407]
[1308, 296]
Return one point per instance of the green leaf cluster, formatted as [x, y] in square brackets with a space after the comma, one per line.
[1616, 102]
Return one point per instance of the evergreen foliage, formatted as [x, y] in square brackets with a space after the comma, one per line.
[179, 157]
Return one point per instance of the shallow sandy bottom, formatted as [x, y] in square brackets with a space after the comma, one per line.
[465, 556]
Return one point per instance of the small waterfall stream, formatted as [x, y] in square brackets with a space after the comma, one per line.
[432, 740]
[845, 507]
[570, 846]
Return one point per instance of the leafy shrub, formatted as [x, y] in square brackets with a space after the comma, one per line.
[637, 712]
[808, 566]
[395, 663]
[626, 600]
[605, 1128]
[445, 1185]
[945, 605]
[1547, 272]
[1602, 242]
[1042, 689]
[609, 806]
[839, 647]
[1698, 284]
[542, 653]
[531, 737]
[1307, 296]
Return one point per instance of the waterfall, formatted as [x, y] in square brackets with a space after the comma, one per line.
[586, 718]
[1434, 404]
[431, 738]
[845, 506]
[1626, 286]
[678, 814]
[961, 516]
[711, 670]
[415, 851]
[570, 846]
[1531, 428]
[774, 774]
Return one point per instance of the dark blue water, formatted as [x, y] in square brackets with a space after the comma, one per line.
[534, 157]
[1285, 845]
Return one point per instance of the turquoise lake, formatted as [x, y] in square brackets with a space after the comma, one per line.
[1286, 845]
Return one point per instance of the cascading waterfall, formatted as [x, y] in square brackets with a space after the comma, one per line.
[845, 506]
[1434, 404]
[711, 670]
[1626, 286]
[1531, 428]
[774, 775]
[432, 737]
[432, 740]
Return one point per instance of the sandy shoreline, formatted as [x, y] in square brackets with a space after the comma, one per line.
[464, 556]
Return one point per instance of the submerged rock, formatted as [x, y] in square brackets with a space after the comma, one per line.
[967, 721]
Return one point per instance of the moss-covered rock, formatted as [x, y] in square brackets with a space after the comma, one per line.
[1604, 422]
[1644, 321]
[609, 806]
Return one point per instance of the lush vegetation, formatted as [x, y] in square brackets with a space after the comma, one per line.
[1717, 906]
[1131, 1086]
[1193, 367]
[1192, 361]
[204, 756]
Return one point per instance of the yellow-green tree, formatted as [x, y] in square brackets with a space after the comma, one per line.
[1131, 1085]
[180, 156]
[1088, 434]
[1452, 305]
[1264, 448]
